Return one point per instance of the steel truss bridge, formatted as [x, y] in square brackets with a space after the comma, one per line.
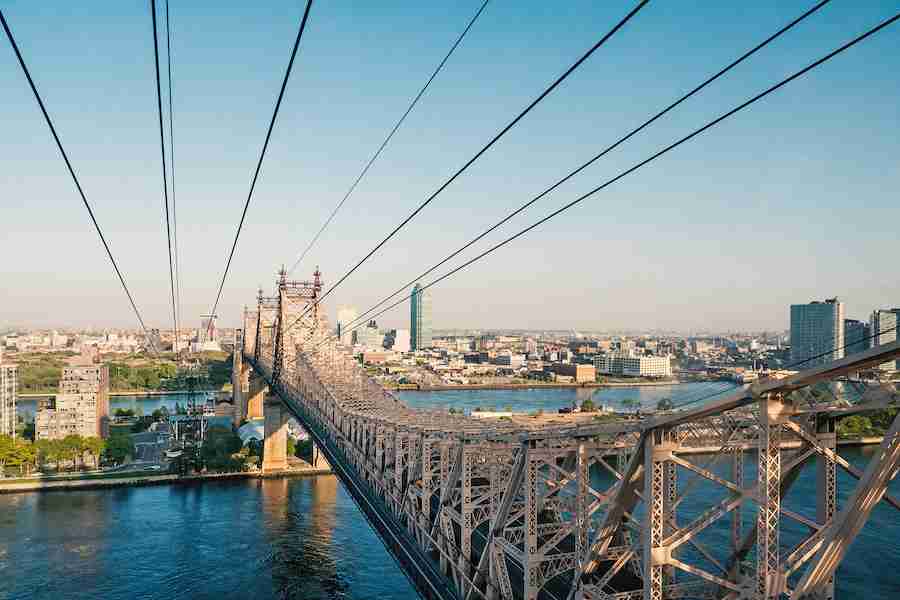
[692, 503]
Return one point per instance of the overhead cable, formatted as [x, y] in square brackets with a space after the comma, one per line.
[162, 149]
[598, 156]
[651, 158]
[71, 170]
[172, 169]
[487, 146]
[387, 139]
[262, 155]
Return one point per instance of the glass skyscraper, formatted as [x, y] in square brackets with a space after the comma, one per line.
[817, 333]
[856, 336]
[420, 318]
[883, 329]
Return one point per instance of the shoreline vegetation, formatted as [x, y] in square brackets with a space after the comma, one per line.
[39, 373]
[15, 485]
[88, 481]
[144, 393]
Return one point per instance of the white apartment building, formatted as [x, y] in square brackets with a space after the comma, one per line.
[81, 407]
[626, 364]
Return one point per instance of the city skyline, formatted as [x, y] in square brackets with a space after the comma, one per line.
[700, 233]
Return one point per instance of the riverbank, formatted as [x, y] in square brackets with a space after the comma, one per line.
[37, 484]
[112, 480]
[532, 385]
[138, 393]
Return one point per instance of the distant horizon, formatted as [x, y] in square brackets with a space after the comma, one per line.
[5, 329]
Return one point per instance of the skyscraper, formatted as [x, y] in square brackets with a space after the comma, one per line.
[420, 318]
[346, 315]
[883, 329]
[8, 390]
[817, 333]
[856, 336]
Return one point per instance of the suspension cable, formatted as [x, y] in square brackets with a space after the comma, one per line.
[162, 149]
[71, 170]
[390, 135]
[262, 155]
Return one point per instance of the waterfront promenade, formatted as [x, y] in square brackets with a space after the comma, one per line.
[100, 480]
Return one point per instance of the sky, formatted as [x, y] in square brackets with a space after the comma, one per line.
[794, 199]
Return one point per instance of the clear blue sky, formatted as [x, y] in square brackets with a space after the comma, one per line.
[793, 200]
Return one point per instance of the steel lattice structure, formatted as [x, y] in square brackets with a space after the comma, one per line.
[571, 507]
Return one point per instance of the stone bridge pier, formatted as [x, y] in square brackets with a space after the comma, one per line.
[275, 444]
[257, 390]
[240, 388]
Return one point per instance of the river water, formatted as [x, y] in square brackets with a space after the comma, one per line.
[527, 400]
[305, 538]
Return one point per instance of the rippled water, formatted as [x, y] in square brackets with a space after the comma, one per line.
[552, 399]
[273, 538]
[305, 538]
[547, 399]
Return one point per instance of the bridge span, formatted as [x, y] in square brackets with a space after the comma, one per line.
[571, 507]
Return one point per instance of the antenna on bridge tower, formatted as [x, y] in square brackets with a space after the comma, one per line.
[259, 300]
[278, 351]
[317, 288]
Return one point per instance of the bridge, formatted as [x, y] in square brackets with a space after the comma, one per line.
[692, 503]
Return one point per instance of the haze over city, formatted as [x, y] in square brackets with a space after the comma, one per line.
[793, 200]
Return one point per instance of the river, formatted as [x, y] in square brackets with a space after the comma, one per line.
[304, 538]
[523, 399]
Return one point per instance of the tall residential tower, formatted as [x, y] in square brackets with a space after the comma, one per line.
[420, 318]
[8, 390]
[817, 333]
[883, 329]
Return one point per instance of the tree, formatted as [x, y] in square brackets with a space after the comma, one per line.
[28, 431]
[631, 402]
[855, 426]
[665, 404]
[118, 448]
[882, 419]
[588, 406]
[94, 446]
[44, 451]
[218, 449]
[73, 449]
[291, 446]
[305, 449]
[24, 454]
[7, 452]
[160, 414]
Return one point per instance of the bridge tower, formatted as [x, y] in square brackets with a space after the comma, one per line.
[278, 352]
[240, 375]
[256, 338]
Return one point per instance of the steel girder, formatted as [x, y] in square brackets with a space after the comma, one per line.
[533, 508]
